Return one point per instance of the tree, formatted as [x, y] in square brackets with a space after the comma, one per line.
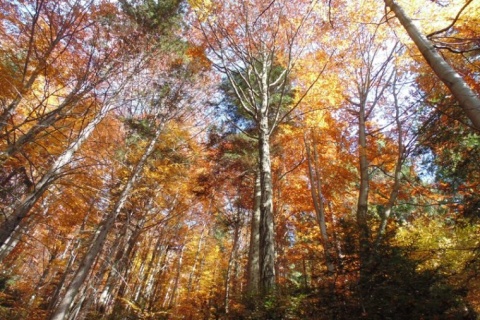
[132, 183]
[466, 97]
[71, 89]
[255, 48]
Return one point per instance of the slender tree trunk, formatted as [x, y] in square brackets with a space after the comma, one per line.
[85, 266]
[103, 278]
[253, 267]
[230, 267]
[76, 245]
[362, 205]
[466, 97]
[42, 281]
[173, 294]
[396, 175]
[267, 236]
[148, 256]
[23, 207]
[118, 292]
[191, 277]
[318, 201]
[116, 280]
[155, 271]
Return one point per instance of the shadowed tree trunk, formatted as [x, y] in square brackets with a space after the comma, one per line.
[267, 233]
[247, 41]
[253, 267]
[318, 200]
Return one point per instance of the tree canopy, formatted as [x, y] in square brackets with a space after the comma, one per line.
[165, 159]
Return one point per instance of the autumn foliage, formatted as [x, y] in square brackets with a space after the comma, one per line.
[238, 160]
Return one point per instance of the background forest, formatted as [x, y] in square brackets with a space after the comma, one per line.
[250, 159]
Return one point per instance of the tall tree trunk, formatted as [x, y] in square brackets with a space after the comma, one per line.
[398, 170]
[117, 292]
[267, 238]
[253, 267]
[58, 167]
[85, 266]
[192, 276]
[173, 294]
[76, 245]
[116, 280]
[318, 201]
[231, 264]
[362, 204]
[466, 97]
[41, 282]
[267, 232]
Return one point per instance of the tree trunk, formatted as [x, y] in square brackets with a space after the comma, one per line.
[397, 174]
[98, 242]
[267, 238]
[76, 244]
[118, 293]
[318, 201]
[253, 267]
[192, 275]
[362, 205]
[466, 97]
[231, 263]
[116, 280]
[173, 295]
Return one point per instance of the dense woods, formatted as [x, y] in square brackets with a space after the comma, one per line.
[205, 159]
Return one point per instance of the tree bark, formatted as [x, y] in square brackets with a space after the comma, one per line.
[231, 264]
[362, 204]
[253, 267]
[267, 238]
[469, 100]
[398, 171]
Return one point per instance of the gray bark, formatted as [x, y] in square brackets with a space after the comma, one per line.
[267, 236]
[466, 97]
[267, 232]
[364, 186]
[117, 273]
[372, 79]
[253, 271]
[247, 62]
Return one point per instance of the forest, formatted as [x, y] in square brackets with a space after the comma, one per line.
[246, 159]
